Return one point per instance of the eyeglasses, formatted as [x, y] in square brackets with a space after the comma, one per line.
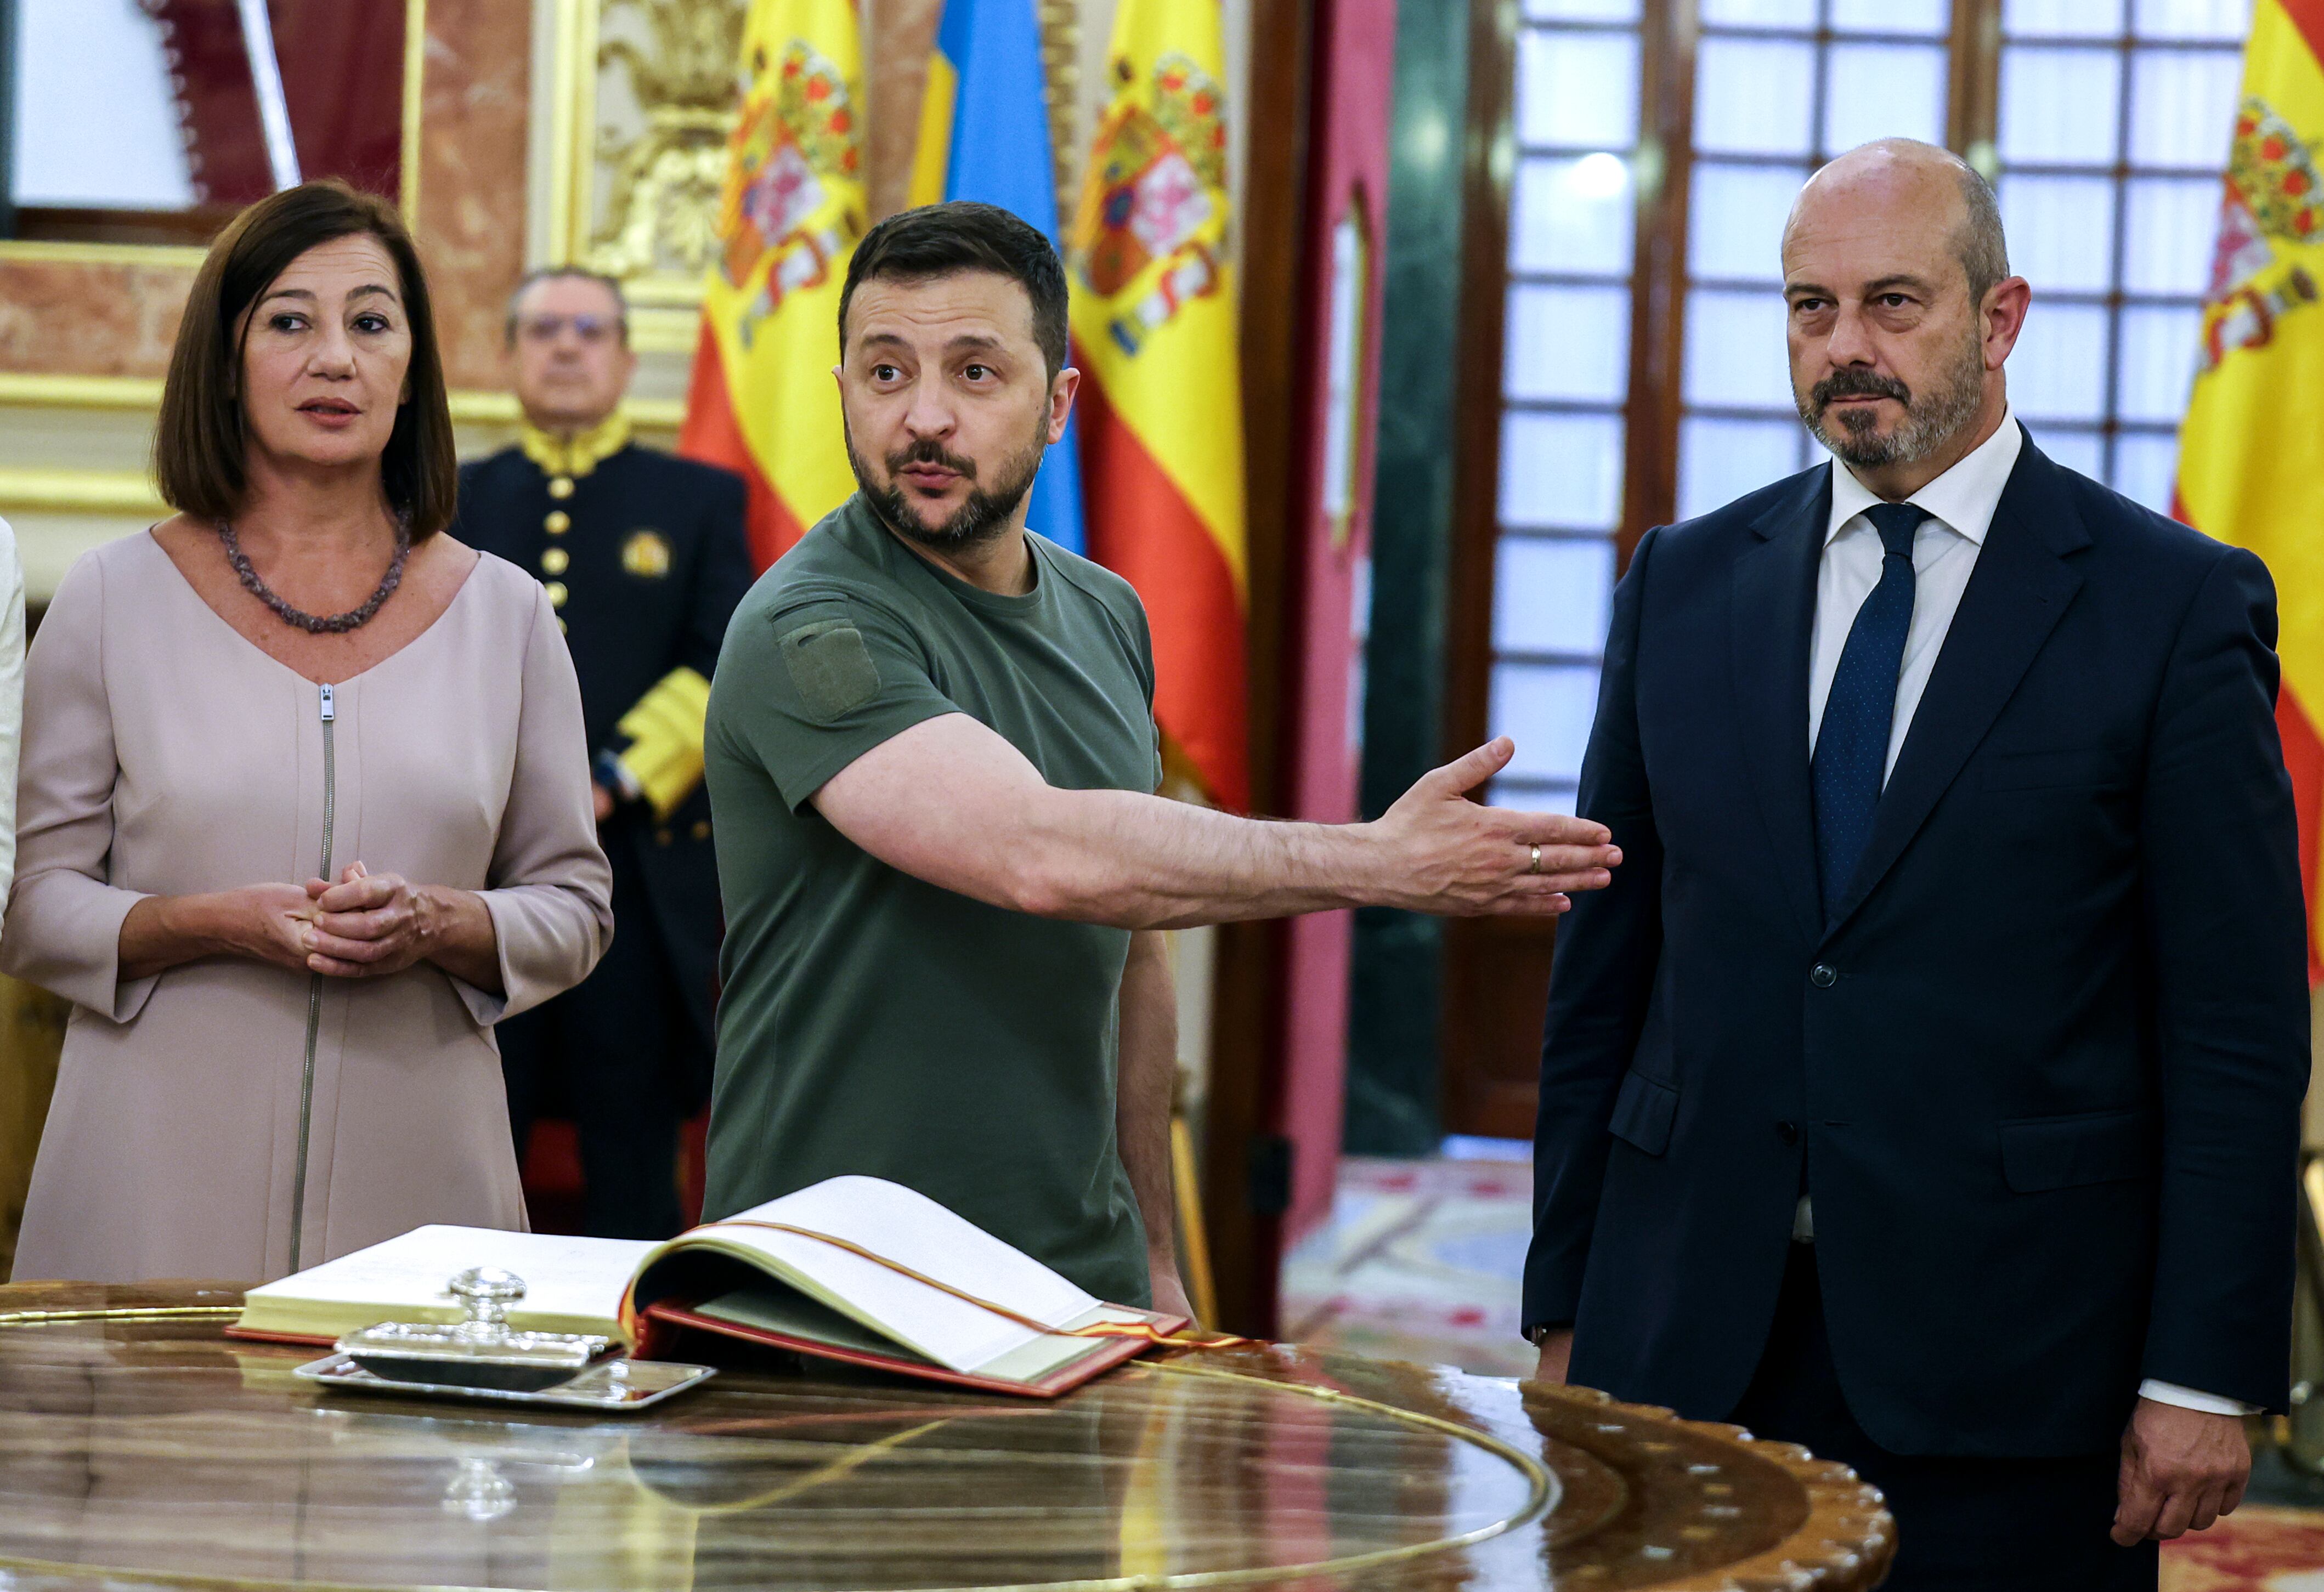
[591, 329]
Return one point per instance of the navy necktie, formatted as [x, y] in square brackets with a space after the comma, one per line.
[1851, 754]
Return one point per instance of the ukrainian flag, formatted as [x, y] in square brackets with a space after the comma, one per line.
[984, 135]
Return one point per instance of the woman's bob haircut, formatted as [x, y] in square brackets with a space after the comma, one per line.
[201, 441]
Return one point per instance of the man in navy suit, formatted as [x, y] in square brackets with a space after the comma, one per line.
[1925, 1087]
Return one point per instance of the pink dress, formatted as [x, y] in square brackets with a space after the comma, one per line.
[210, 1118]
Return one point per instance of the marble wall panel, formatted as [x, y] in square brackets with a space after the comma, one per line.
[474, 93]
[75, 318]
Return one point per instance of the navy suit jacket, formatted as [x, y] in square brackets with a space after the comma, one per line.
[2040, 1072]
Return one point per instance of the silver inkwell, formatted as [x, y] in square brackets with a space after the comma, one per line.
[481, 1356]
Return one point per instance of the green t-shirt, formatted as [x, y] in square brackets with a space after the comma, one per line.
[874, 1022]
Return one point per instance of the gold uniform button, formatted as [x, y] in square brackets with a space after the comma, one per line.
[702, 829]
[560, 486]
[560, 627]
[661, 837]
[558, 522]
[553, 562]
[557, 593]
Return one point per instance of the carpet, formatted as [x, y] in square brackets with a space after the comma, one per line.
[1421, 1261]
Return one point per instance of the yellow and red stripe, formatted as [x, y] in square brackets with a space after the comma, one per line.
[1155, 320]
[762, 401]
[2247, 450]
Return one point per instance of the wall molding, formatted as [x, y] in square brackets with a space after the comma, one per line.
[79, 491]
[470, 406]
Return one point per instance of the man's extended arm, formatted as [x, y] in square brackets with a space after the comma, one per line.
[1605, 965]
[951, 802]
[1146, 1075]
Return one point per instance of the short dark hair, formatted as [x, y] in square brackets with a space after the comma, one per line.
[552, 273]
[945, 240]
[200, 439]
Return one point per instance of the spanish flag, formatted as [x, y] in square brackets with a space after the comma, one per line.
[763, 401]
[1155, 317]
[984, 135]
[2248, 471]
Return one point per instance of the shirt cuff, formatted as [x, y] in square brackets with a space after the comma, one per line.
[2187, 1398]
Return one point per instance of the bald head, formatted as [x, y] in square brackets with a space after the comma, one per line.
[1902, 311]
[1901, 177]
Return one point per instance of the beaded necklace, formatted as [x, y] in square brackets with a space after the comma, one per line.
[320, 624]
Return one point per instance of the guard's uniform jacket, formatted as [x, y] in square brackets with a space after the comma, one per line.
[644, 558]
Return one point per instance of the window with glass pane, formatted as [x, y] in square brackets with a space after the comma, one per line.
[1565, 375]
[1780, 87]
[2113, 125]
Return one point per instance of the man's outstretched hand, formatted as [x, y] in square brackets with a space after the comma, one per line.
[2181, 1469]
[1448, 855]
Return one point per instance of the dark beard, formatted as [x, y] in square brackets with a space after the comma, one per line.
[979, 519]
[1928, 423]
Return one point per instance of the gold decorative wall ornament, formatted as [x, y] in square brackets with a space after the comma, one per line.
[644, 102]
[661, 212]
[1061, 70]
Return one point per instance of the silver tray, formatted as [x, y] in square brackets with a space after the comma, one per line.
[611, 1387]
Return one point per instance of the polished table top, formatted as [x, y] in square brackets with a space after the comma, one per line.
[140, 1448]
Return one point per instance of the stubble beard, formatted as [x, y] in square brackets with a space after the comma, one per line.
[1929, 422]
[981, 516]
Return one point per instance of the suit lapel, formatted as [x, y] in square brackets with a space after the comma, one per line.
[2017, 593]
[1772, 609]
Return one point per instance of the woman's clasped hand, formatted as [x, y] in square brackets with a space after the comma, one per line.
[365, 924]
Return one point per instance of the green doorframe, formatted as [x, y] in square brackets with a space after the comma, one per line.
[1395, 991]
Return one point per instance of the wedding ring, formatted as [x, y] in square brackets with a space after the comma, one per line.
[1536, 861]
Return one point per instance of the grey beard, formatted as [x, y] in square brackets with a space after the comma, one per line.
[1927, 425]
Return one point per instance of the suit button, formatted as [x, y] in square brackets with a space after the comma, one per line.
[1789, 1132]
[662, 837]
[557, 593]
[702, 829]
[1823, 976]
[560, 487]
[555, 561]
[558, 523]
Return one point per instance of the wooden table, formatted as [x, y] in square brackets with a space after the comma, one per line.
[140, 1448]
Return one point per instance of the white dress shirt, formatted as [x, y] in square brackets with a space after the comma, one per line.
[1961, 505]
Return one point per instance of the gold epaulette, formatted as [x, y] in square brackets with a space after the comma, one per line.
[664, 756]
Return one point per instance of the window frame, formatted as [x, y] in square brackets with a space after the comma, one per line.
[1497, 969]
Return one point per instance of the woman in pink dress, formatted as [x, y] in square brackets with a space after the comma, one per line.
[305, 805]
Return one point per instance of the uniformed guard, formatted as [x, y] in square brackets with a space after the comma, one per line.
[644, 558]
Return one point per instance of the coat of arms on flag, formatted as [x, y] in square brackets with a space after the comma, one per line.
[1156, 334]
[1156, 192]
[790, 210]
[2271, 197]
[780, 211]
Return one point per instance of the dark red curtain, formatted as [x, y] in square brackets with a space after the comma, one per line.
[342, 64]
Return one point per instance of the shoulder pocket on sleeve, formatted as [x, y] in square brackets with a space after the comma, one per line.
[831, 668]
[1643, 1112]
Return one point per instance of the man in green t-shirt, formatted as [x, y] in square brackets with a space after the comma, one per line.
[931, 756]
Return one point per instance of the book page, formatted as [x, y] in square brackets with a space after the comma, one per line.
[578, 1283]
[913, 1230]
[773, 1307]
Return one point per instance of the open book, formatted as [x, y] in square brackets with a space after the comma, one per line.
[741, 1278]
